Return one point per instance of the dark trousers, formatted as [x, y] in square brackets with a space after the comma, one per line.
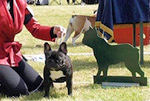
[19, 80]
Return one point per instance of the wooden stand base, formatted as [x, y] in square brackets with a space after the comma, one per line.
[124, 79]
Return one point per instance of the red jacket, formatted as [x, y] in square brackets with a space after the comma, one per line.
[10, 26]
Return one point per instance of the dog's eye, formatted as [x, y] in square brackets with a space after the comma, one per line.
[59, 61]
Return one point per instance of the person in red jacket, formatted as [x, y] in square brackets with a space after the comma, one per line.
[17, 77]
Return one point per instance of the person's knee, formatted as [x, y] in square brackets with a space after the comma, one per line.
[14, 89]
[11, 82]
[17, 92]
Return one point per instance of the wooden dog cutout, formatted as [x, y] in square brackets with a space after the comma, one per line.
[107, 54]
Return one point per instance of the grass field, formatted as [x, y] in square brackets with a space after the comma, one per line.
[84, 66]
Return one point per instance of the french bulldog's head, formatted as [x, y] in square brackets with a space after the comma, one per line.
[55, 60]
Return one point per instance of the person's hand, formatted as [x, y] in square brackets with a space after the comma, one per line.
[59, 31]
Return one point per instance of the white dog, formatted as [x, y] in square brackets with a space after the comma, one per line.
[79, 24]
[63, 30]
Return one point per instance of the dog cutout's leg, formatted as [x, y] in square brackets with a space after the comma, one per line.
[68, 32]
[52, 85]
[46, 82]
[139, 70]
[133, 74]
[99, 72]
[99, 66]
[69, 85]
[130, 67]
[141, 73]
[105, 70]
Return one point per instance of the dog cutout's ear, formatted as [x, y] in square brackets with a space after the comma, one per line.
[47, 47]
[63, 48]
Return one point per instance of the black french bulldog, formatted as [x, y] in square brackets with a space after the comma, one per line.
[58, 68]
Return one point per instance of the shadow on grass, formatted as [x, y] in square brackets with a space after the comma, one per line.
[40, 95]
[36, 96]
[53, 93]
[87, 86]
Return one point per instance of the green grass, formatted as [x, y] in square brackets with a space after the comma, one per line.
[84, 66]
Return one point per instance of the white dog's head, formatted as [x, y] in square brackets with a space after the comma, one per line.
[63, 30]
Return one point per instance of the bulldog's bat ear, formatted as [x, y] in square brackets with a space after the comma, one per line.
[63, 48]
[47, 47]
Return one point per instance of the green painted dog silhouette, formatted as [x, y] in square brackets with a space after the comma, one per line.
[107, 54]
